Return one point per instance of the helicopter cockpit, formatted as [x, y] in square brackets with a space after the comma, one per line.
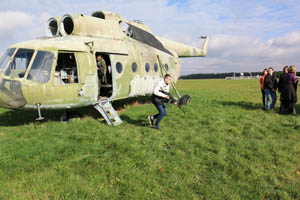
[15, 64]
[18, 65]
[5, 58]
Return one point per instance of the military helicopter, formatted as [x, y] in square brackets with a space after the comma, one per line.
[59, 71]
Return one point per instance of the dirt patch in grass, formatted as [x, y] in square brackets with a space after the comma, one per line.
[2, 135]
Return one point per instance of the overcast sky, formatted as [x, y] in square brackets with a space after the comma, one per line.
[245, 35]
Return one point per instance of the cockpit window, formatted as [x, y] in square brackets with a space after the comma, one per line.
[41, 67]
[17, 67]
[5, 58]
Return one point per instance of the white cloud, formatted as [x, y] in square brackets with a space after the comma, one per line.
[38, 29]
[241, 54]
[287, 41]
[244, 37]
[11, 22]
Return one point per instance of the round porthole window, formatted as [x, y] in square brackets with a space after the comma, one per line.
[119, 67]
[147, 67]
[167, 67]
[134, 67]
[155, 67]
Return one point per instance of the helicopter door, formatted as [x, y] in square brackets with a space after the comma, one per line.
[88, 78]
[66, 81]
[104, 71]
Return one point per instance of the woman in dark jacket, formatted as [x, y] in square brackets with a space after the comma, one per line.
[280, 84]
[270, 86]
[288, 97]
[284, 71]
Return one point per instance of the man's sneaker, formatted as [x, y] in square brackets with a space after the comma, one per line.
[155, 127]
[150, 118]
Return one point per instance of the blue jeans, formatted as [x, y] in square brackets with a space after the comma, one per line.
[162, 112]
[270, 94]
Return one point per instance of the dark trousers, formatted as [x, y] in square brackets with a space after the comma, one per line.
[287, 108]
[162, 112]
[263, 97]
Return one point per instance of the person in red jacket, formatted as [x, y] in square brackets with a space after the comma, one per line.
[261, 81]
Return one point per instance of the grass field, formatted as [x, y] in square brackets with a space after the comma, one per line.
[225, 147]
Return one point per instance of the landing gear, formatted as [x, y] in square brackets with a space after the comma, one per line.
[40, 118]
[69, 116]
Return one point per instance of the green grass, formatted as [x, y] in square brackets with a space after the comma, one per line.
[224, 147]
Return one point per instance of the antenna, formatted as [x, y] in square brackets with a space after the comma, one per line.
[202, 37]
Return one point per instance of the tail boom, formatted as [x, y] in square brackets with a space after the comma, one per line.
[184, 50]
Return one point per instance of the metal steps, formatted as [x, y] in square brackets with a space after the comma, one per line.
[108, 112]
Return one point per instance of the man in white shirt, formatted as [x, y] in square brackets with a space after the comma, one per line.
[160, 93]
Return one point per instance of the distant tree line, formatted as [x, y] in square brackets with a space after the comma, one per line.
[227, 74]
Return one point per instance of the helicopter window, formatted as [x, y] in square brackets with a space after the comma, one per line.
[134, 67]
[155, 67]
[5, 58]
[138, 21]
[66, 69]
[167, 67]
[146, 38]
[126, 29]
[99, 14]
[19, 64]
[119, 67]
[41, 67]
[147, 67]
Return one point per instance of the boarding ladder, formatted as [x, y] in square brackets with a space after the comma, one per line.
[108, 112]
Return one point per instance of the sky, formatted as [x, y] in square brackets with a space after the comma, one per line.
[245, 36]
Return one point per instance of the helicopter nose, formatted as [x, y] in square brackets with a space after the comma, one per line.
[11, 94]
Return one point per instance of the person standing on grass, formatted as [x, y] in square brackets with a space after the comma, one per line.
[280, 83]
[160, 93]
[270, 86]
[261, 81]
[284, 71]
[288, 97]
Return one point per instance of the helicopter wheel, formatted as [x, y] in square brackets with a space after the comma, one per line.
[185, 100]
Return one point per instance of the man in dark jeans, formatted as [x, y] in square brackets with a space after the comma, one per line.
[160, 93]
[270, 85]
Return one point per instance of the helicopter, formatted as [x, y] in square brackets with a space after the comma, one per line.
[59, 71]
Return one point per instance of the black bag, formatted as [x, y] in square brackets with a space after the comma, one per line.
[157, 99]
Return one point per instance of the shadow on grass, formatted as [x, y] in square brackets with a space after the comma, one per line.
[21, 117]
[133, 101]
[141, 121]
[16, 117]
[243, 104]
[121, 104]
[252, 106]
